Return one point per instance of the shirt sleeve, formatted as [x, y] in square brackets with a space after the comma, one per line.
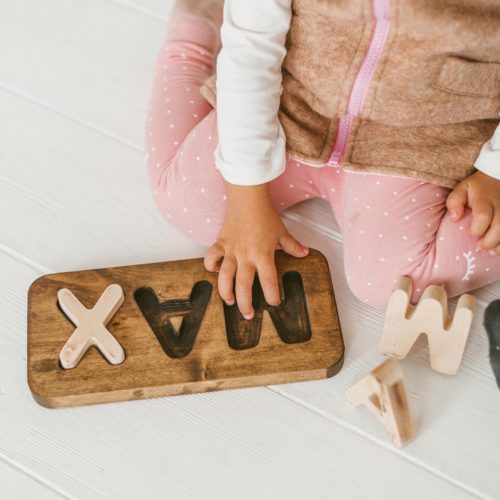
[488, 160]
[252, 147]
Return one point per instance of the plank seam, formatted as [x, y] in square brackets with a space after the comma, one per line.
[36, 477]
[376, 441]
[23, 259]
[73, 118]
[330, 233]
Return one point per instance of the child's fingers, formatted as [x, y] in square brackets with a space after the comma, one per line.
[291, 246]
[492, 238]
[456, 201]
[268, 278]
[245, 275]
[213, 256]
[497, 250]
[482, 213]
[226, 279]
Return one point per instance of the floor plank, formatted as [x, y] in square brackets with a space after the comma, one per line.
[74, 198]
[251, 443]
[73, 194]
[457, 415]
[91, 61]
[15, 484]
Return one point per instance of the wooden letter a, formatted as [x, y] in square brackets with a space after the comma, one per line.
[383, 392]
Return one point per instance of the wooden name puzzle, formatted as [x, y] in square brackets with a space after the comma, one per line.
[446, 336]
[492, 325]
[383, 392]
[161, 329]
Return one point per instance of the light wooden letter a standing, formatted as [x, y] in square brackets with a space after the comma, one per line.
[447, 337]
[91, 326]
[383, 392]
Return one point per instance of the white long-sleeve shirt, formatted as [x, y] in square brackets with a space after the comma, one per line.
[252, 145]
[488, 160]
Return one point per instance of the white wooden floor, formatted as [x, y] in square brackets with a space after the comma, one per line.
[75, 77]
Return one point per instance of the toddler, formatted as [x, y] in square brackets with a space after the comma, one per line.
[386, 109]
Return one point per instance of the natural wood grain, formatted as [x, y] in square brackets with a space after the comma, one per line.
[383, 392]
[91, 326]
[163, 364]
[64, 162]
[447, 336]
[465, 405]
[246, 444]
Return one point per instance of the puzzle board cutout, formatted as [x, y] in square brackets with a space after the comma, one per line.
[165, 353]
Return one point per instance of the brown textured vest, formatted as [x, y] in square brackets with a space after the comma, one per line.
[430, 99]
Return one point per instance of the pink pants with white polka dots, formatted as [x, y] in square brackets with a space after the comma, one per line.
[391, 226]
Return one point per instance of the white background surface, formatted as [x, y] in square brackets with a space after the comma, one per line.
[74, 86]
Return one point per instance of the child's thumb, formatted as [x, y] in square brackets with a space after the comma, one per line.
[291, 246]
[456, 202]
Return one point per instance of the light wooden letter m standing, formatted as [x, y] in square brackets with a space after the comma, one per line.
[446, 336]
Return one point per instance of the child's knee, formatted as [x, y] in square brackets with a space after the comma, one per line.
[369, 286]
[369, 293]
[188, 214]
[374, 286]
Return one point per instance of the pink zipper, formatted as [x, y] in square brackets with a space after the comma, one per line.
[362, 81]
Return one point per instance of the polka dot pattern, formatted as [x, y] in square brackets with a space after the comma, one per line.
[391, 226]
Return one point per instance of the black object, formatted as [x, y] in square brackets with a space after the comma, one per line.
[492, 325]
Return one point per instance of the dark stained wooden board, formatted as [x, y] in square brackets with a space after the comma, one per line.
[147, 370]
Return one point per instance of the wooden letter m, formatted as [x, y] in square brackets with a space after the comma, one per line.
[446, 336]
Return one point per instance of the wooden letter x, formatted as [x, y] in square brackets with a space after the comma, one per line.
[91, 326]
[383, 392]
[405, 322]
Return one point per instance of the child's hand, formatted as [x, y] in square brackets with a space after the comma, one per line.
[481, 193]
[247, 242]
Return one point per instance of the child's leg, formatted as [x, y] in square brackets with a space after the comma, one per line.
[184, 62]
[400, 227]
[182, 135]
[191, 193]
